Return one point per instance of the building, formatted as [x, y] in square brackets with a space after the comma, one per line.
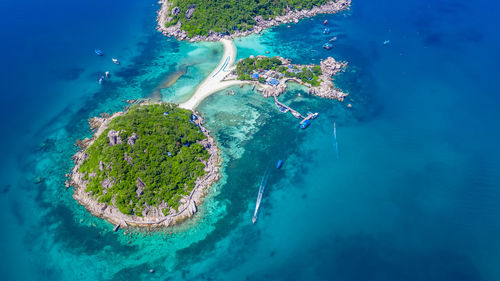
[273, 82]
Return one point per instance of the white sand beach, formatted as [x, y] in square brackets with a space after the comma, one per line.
[213, 83]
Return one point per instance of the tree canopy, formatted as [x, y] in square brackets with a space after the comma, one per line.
[157, 159]
[226, 16]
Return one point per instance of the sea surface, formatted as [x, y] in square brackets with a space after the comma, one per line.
[406, 188]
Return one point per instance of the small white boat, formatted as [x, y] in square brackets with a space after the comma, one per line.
[106, 74]
[115, 61]
[386, 42]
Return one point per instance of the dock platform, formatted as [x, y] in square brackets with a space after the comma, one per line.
[285, 108]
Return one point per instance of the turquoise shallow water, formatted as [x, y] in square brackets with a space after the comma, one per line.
[413, 195]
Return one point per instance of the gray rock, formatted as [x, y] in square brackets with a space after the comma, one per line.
[140, 187]
[176, 11]
[114, 138]
[131, 140]
[190, 11]
[128, 158]
[107, 183]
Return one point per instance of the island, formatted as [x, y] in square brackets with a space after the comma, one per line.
[272, 75]
[147, 166]
[212, 20]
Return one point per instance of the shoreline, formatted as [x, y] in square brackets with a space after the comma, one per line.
[224, 76]
[292, 16]
[188, 204]
[326, 89]
[215, 80]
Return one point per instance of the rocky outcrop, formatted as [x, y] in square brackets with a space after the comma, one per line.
[140, 187]
[329, 67]
[128, 158]
[175, 11]
[114, 138]
[131, 140]
[190, 11]
[107, 183]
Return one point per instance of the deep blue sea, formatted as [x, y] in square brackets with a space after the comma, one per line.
[408, 190]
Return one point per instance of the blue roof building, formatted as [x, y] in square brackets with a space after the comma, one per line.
[273, 82]
[255, 75]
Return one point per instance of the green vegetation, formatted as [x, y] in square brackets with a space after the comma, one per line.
[165, 157]
[248, 66]
[226, 16]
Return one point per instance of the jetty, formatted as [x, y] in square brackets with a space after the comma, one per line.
[306, 119]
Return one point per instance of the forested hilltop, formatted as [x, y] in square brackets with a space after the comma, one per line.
[215, 18]
[148, 157]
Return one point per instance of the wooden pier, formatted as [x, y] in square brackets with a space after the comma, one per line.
[294, 112]
[310, 116]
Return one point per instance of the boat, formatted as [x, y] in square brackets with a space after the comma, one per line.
[115, 61]
[106, 74]
[305, 124]
[279, 164]
[325, 22]
[326, 30]
[333, 39]
[386, 42]
[116, 228]
[328, 46]
[100, 80]
[98, 52]
[259, 197]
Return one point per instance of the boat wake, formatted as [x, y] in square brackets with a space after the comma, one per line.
[335, 140]
[259, 196]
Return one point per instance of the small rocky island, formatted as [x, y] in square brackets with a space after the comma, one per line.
[272, 75]
[212, 20]
[147, 166]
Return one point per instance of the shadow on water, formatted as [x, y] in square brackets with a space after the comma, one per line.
[80, 238]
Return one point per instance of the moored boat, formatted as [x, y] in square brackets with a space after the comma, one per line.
[115, 61]
[326, 30]
[279, 164]
[98, 52]
[328, 46]
[325, 22]
[305, 124]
